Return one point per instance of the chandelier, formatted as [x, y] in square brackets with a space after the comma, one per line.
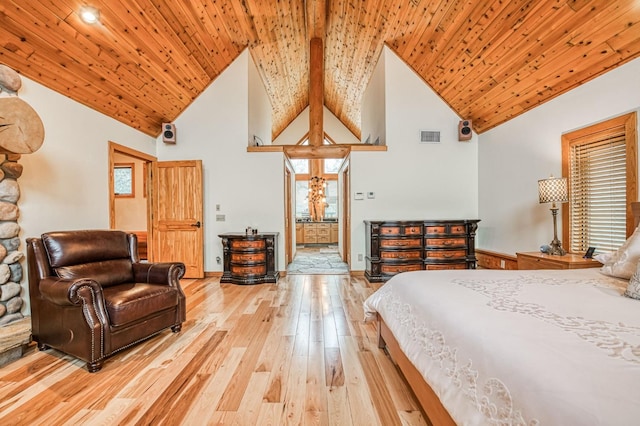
[317, 198]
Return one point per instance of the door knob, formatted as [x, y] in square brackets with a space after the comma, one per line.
[197, 224]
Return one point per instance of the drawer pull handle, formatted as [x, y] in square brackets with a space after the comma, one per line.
[446, 243]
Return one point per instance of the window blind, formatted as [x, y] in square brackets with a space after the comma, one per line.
[597, 185]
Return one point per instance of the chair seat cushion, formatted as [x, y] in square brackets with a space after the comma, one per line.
[130, 302]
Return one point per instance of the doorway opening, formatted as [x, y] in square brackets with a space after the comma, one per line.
[315, 203]
[129, 200]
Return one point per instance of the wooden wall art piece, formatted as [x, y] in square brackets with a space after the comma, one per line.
[21, 129]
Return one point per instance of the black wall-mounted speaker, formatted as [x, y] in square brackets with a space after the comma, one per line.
[464, 130]
[168, 133]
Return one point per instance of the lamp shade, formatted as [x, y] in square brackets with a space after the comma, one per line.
[553, 190]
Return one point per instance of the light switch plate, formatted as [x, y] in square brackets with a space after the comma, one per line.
[359, 196]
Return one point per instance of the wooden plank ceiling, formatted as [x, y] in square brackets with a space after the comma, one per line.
[147, 60]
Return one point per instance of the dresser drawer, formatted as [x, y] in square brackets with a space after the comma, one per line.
[324, 239]
[443, 266]
[446, 242]
[400, 230]
[400, 255]
[396, 269]
[326, 226]
[248, 270]
[442, 229]
[401, 242]
[248, 257]
[445, 254]
[248, 244]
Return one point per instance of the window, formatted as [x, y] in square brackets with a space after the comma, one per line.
[123, 180]
[332, 165]
[300, 165]
[600, 164]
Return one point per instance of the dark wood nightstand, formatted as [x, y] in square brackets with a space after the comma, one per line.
[538, 260]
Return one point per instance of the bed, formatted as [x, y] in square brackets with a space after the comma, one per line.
[515, 347]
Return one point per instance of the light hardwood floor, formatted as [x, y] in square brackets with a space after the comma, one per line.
[295, 353]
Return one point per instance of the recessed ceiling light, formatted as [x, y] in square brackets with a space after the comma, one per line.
[89, 14]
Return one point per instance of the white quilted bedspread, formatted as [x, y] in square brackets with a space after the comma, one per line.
[520, 347]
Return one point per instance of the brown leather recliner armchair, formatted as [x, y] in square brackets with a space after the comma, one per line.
[91, 297]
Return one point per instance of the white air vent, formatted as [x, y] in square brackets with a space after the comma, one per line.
[429, 136]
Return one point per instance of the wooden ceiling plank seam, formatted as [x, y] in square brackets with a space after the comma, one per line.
[214, 24]
[48, 22]
[230, 21]
[102, 75]
[96, 102]
[405, 38]
[456, 51]
[492, 71]
[150, 29]
[214, 48]
[139, 65]
[129, 26]
[543, 36]
[293, 84]
[83, 80]
[373, 40]
[591, 70]
[501, 29]
[346, 69]
[128, 82]
[266, 61]
[172, 33]
[458, 62]
[560, 53]
[301, 98]
[458, 14]
[429, 38]
[514, 106]
[245, 21]
[548, 71]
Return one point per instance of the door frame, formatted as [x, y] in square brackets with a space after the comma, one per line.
[345, 175]
[344, 238]
[148, 161]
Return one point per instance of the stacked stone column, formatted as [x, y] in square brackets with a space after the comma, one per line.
[10, 268]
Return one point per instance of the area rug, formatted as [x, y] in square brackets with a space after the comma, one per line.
[317, 260]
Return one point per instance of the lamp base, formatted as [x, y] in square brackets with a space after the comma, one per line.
[555, 248]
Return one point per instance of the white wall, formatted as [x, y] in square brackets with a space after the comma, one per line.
[249, 187]
[413, 180]
[373, 106]
[260, 120]
[300, 127]
[513, 156]
[65, 184]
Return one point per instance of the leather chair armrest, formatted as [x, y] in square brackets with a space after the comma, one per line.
[70, 292]
[167, 273]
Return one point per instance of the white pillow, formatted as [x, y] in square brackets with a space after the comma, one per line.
[624, 261]
[633, 289]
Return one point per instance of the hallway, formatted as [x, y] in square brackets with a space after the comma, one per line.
[317, 260]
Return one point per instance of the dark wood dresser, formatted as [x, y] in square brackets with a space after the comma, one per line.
[250, 258]
[395, 246]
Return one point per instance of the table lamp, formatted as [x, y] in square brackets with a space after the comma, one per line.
[554, 190]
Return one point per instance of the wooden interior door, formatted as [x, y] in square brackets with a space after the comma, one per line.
[178, 215]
